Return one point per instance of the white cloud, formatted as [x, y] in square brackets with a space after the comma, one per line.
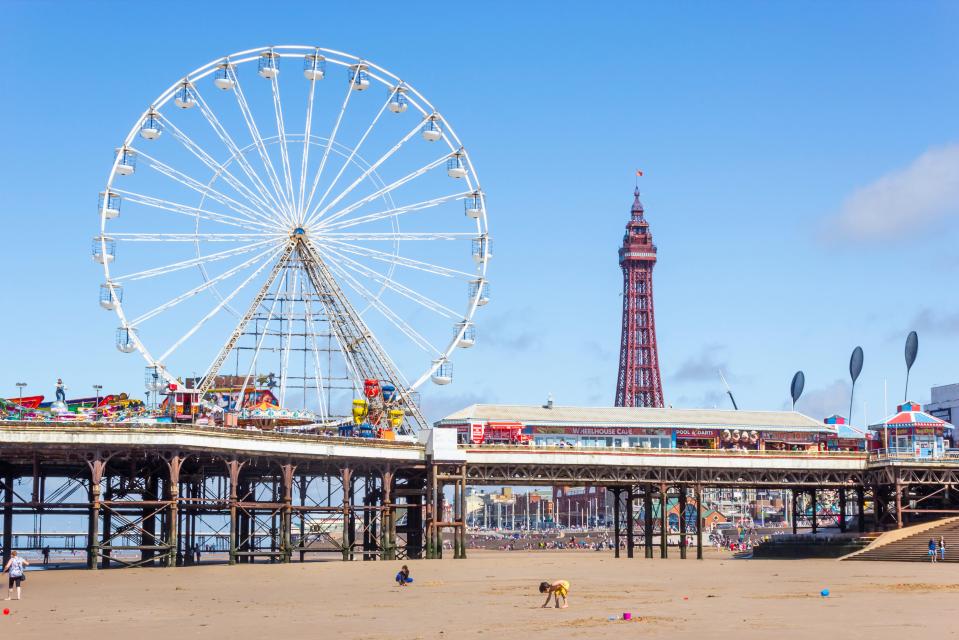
[926, 190]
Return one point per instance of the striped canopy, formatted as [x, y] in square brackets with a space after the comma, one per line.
[910, 414]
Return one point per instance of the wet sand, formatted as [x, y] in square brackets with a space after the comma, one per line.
[493, 595]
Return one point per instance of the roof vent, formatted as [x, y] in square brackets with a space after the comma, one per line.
[549, 402]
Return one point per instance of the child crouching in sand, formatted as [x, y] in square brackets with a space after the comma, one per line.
[556, 590]
[403, 577]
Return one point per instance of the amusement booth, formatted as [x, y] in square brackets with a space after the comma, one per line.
[911, 431]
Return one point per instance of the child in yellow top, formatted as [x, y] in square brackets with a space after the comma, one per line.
[556, 590]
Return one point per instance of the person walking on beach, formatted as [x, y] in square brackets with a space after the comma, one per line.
[196, 554]
[942, 548]
[14, 568]
[556, 590]
[61, 391]
[46, 555]
[932, 549]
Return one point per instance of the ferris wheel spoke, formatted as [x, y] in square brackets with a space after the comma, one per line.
[281, 132]
[326, 151]
[286, 211]
[199, 289]
[188, 237]
[403, 290]
[355, 149]
[192, 262]
[383, 190]
[384, 310]
[389, 258]
[391, 236]
[289, 338]
[392, 213]
[318, 213]
[203, 189]
[193, 212]
[264, 202]
[223, 302]
[305, 160]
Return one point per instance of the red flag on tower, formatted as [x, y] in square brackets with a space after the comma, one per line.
[639, 172]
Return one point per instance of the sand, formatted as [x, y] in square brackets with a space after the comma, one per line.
[493, 595]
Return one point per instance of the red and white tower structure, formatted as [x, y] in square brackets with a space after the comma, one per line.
[639, 383]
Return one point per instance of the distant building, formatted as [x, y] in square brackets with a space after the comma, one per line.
[945, 402]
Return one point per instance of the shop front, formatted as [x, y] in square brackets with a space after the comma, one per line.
[791, 441]
[912, 432]
[601, 437]
[697, 438]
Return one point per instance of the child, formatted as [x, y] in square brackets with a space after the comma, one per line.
[558, 589]
[403, 577]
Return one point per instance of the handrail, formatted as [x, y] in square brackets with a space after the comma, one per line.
[665, 452]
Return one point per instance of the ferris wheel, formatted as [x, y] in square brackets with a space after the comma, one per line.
[307, 235]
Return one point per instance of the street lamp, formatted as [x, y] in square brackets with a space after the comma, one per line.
[20, 386]
[96, 407]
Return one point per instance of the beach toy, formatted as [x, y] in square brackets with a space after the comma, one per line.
[611, 618]
[824, 593]
[6, 612]
[627, 616]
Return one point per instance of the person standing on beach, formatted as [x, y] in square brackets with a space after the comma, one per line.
[14, 568]
[556, 590]
[46, 554]
[932, 549]
[942, 548]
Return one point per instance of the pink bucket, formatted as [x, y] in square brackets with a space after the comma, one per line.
[627, 616]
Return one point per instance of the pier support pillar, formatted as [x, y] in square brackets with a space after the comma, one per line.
[387, 525]
[97, 466]
[648, 520]
[682, 523]
[898, 504]
[663, 522]
[286, 515]
[617, 529]
[815, 511]
[233, 468]
[861, 508]
[348, 530]
[173, 519]
[630, 524]
[842, 509]
[795, 505]
[7, 517]
[699, 522]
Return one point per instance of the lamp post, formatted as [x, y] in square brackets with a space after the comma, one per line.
[96, 407]
[20, 386]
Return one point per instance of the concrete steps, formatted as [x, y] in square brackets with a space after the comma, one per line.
[912, 543]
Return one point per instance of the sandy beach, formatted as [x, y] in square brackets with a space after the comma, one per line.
[493, 594]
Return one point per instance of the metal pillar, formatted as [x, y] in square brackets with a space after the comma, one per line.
[7, 517]
[815, 511]
[97, 467]
[347, 513]
[302, 542]
[286, 514]
[630, 522]
[795, 502]
[861, 508]
[682, 523]
[617, 491]
[663, 522]
[898, 504]
[107, 522]
[173, 516]
[387, 525]
[842, 509]
[648, 520]
[233, 468]
[699, 522]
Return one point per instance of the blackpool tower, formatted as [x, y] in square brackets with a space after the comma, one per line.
[639, 383]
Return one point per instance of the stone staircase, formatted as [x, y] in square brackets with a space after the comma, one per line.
[911, 544]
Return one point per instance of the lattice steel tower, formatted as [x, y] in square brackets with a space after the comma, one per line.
[639, 383]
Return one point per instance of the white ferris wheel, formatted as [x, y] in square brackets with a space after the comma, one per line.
[307, 234]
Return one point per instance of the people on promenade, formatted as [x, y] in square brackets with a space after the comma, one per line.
[942, 548]
[14, 569]
[556, 590]
[932, 549]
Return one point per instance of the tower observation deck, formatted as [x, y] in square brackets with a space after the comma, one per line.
[639, 383]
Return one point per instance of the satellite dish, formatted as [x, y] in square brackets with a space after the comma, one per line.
[799, 381]
[912, 349]
[855, 368]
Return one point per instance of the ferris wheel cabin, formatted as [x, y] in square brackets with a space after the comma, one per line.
[482, 249]
[104, 249]
[127, 162]
[482, 287]
[109, 204]
[444, 373]
[359, 77]
[431, 129]
[223, 78]
[150, 129]
[314, 66]
[455, 167]
[185, 97]
[473, 205]
[398, 101]
[269, 65]
[152, 380]
[126, 339]
[468, 336]
[111, 295]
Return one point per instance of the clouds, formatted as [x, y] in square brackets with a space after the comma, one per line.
[511, 331]
[936, 322]
[923, 192]
[703, 366]
[824, 401]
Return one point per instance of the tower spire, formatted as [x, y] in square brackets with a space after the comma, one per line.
[639, 383]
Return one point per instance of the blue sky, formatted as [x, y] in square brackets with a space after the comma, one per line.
[802, 181]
